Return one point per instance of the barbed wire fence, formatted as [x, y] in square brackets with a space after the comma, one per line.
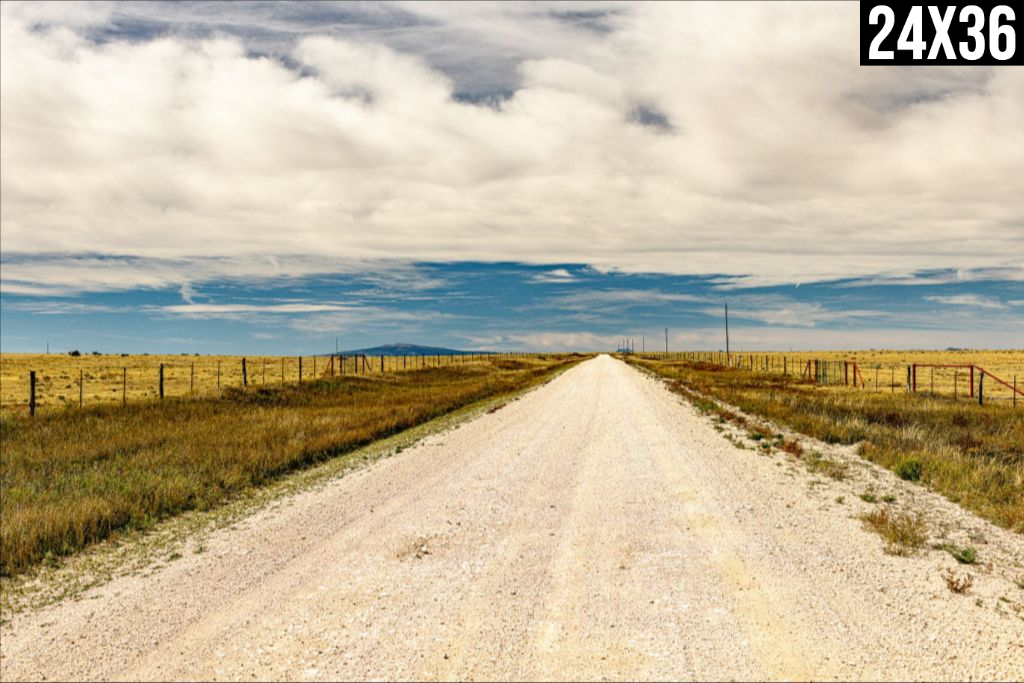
[59, 386]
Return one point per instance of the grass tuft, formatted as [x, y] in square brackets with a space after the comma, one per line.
[793, 447]
[956, 582]
[816, 462]
[903, 532]
[909, 469]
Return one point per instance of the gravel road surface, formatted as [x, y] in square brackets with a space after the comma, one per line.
[597, 527]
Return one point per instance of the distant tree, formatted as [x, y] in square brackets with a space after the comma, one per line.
[75, 353]
[96, 353]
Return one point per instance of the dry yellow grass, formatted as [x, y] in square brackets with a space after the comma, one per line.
[72, 477]
[873, 364]
[970, 453]
[886, 370]
[111, 378]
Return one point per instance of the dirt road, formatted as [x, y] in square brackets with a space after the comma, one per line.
[595, 528]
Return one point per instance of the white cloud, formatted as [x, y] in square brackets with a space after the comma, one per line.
[785, 338]
[558, 341]
[971, 300]
[606, 299]
[783, 160]
[555, 276]
[222, 310]
[63, 275]
[781, 310]
[745, 338]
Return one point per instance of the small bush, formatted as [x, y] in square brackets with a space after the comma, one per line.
[759, 433]
[957, 583]
[966, 555]
[909, 469]
[793, 447]
[75, 354]
[905, 533]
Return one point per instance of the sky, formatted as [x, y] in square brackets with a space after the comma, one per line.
[282, 177]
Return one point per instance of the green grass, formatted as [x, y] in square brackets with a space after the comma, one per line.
[78, 476]
[974, 455]
[966, 555]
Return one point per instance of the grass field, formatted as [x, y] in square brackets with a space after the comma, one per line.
[72, 477]
[972, 454]
[113, 378]
[886, 371]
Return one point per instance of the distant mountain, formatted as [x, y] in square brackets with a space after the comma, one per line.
[408, 350]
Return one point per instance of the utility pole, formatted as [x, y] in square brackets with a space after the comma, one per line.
[666, 342]
[727, 334]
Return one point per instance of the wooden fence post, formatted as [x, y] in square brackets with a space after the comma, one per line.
[124, 386]
[218, 374]
[981, 389]
[300, 369]
[161, 381]
[972, 382]
[32, 393]
[81, 389]
[245, 374]
[382, 363]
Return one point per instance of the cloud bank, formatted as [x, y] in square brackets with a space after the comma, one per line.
[733, 139]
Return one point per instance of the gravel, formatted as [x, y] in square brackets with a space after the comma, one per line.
[598, 527]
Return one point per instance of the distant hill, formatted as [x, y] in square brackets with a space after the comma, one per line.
[408, 350]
